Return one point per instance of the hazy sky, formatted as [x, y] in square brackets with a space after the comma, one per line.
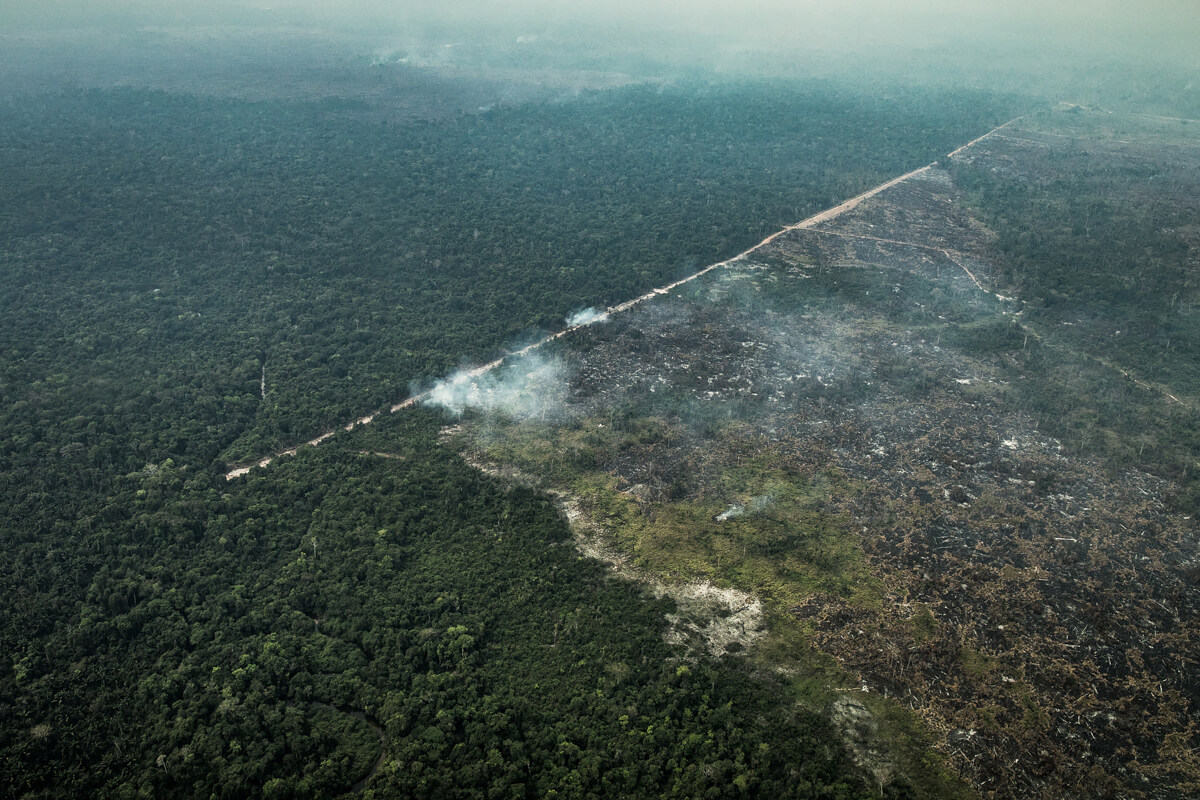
[1171, 19]
[1042, 37]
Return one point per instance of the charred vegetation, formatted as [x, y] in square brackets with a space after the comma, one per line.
[870, 427]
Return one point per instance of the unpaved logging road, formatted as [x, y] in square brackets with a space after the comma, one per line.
[810, 222]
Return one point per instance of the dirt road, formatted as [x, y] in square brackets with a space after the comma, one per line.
[810, 222]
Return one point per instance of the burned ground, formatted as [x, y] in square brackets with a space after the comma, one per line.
[848, 425]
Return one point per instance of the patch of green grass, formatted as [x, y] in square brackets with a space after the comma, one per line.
[783, 546]
[976, 664]
[924, 626]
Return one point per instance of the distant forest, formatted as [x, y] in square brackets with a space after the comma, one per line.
[343, 615]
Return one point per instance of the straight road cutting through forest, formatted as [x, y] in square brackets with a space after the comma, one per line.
[810, 222]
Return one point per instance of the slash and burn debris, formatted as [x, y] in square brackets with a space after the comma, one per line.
[848, 429]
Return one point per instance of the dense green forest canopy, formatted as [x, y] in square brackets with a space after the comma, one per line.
[198, 240]
[164, 257]
[228, 638]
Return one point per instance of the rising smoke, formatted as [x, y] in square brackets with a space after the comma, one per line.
[529, 388]
[757, 505]
[586, 316]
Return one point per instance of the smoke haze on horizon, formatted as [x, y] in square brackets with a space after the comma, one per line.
[1118, 55]
[1153, 27]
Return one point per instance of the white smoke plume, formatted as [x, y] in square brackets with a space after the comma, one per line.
[756, 506]
[733, 512]
[528, 388]
[761, 503]
[586, 316]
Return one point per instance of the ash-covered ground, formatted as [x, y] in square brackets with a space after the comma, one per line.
[1034, 604]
